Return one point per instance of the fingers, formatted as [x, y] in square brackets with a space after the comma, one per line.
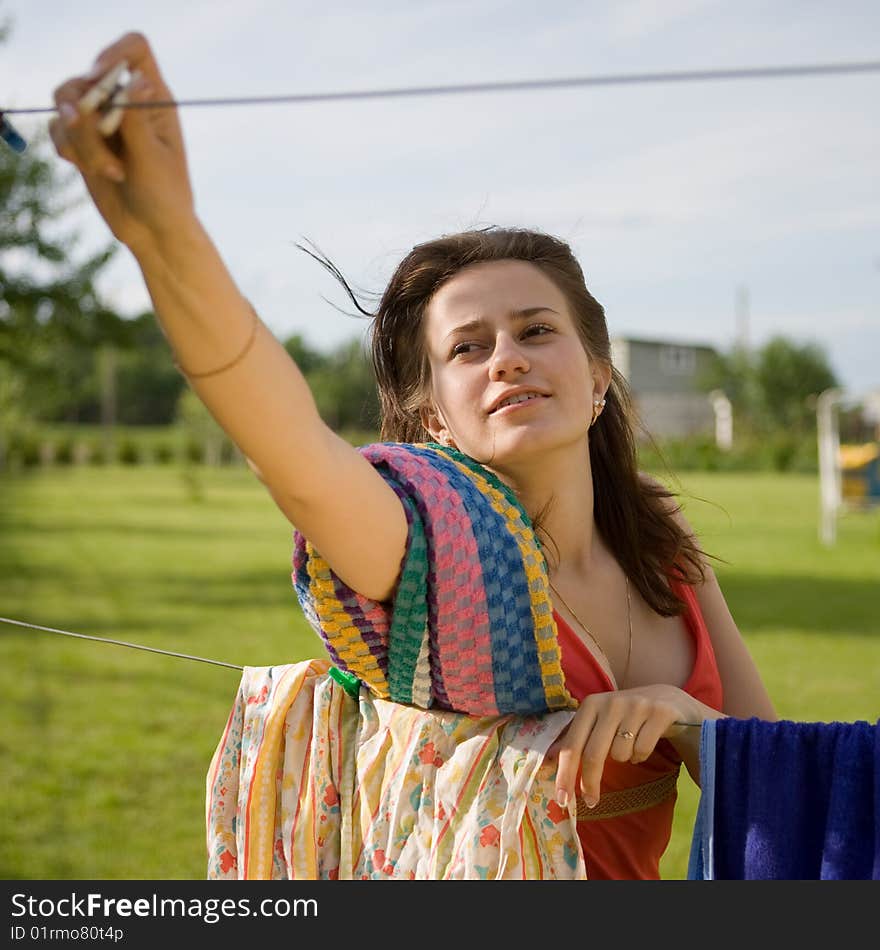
[571, 750]
[146, 129]
[91, 108]
[103, 89]
[597, 749]
[625, 726]
[134, 49]
[647, 736]
[119, 126]
[112, 118]
[76, 136]
[623, 745]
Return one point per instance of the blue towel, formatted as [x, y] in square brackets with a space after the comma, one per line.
[787, 801]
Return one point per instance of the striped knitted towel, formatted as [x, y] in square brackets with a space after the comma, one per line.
[470, 627]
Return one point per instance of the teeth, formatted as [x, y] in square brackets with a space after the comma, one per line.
[522, 397]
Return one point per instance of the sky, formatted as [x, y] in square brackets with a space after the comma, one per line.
[706, 212]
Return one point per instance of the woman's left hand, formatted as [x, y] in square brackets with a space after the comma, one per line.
[625, 725]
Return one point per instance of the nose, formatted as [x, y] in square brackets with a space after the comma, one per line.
[508, 358]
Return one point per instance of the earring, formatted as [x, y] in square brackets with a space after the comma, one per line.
[598, 406]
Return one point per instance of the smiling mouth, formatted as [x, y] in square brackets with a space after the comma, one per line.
[518, 400]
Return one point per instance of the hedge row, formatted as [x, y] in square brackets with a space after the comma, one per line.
[781, 452]
[778, 452]
[34, 450]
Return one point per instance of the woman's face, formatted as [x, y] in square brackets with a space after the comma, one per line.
[510, 377]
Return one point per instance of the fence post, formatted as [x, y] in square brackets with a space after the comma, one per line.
[828, 434]
[723, 410]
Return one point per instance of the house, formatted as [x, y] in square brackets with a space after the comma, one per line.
[665, 382]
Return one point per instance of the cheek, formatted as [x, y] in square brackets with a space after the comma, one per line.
[451, 388]
[447, 396]
[579, 372]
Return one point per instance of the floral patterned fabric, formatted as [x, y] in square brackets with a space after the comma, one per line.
[308, 782]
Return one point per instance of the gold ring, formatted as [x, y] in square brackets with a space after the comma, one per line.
[626, 734]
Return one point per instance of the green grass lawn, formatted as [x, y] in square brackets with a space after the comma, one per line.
[105, 749]
[810, 614]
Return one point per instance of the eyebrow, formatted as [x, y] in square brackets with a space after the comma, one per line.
[517, 316]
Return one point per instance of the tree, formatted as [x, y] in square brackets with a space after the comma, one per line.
[787, 376]
[303, 355]
[342, 382]
[204, 437]
[734, 374]
[148, 384]
[47, 295]
[771, 388]
[52, 319]
[344, 388]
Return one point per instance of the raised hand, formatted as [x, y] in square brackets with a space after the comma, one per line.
[137, 175]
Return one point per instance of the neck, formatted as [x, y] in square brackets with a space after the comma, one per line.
[559, 492]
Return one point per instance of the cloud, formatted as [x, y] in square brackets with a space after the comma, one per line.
[672, 194]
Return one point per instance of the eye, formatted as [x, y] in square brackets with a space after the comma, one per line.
[537, 329]
[461, 349]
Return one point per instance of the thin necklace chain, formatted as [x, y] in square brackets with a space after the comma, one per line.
[599, 645]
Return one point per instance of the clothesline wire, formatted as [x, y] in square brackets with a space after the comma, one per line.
[699, 75]
[182, 656]
[120, 643]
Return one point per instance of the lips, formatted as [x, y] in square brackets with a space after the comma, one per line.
[515, 397]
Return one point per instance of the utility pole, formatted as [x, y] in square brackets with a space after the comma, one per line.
[742, 317]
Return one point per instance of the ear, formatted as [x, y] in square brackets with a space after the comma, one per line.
[433, 422]
[601, 378]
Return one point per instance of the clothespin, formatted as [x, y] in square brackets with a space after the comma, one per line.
[10, 136]
[109, 94]
[348, 681]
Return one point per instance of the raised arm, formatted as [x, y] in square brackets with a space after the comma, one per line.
[139, 182]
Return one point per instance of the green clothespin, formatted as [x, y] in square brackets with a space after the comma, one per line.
[348, 681]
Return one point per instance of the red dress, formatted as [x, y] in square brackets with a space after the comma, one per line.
[625, 835]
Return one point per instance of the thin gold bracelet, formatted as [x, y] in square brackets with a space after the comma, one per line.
[232, 362]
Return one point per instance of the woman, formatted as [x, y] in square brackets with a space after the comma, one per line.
[493, 360]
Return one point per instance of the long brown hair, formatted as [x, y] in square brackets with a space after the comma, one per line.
[634, 515]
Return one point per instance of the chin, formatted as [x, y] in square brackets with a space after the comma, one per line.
[513, 448]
